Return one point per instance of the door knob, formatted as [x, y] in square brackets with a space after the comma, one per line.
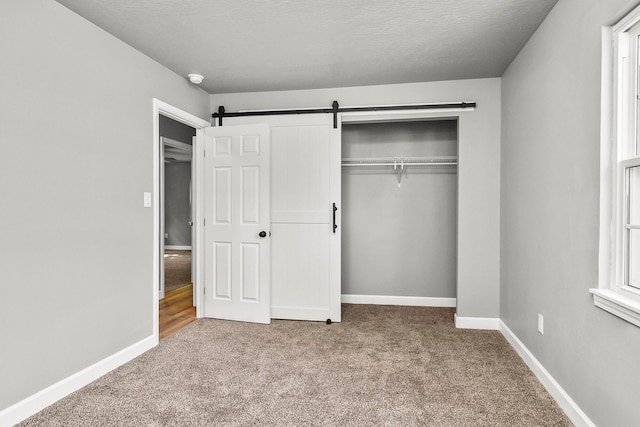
[263, 234]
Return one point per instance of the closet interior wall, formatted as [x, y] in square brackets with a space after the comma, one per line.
[399, 240]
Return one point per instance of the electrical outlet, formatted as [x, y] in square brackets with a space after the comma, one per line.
[540, 324]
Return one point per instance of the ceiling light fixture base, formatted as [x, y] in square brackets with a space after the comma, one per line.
[196, 79]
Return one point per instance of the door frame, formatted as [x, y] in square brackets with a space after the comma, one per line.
[174, 113]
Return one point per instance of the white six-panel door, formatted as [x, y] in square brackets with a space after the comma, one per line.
[237, 223]
[305, 183]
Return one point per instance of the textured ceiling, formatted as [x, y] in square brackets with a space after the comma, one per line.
[262, 45]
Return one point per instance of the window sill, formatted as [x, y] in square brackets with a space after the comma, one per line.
[622, 304]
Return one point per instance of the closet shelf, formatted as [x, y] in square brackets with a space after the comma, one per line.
[401, 161]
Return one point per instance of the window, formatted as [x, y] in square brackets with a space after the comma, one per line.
[619, 287]
[632, 226]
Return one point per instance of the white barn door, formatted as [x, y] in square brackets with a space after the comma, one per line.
[237, 223]
[305, 185]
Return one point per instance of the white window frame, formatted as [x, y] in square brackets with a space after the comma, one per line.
[619, 136]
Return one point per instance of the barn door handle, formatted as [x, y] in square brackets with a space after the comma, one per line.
[334, 217]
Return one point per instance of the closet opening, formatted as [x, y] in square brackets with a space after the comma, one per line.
[399, 212]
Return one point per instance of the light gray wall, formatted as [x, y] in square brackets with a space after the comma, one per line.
[177, 206]
[399, 241]
[550, 208]
[478, 293]
[77, 144]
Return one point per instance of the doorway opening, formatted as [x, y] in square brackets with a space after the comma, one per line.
[176, 203]
[175, 293]
[177, 302]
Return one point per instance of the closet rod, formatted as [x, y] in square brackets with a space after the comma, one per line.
[405, 164]
[335, 109]
[401, 161]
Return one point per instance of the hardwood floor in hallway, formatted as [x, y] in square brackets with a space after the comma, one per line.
[176, 310]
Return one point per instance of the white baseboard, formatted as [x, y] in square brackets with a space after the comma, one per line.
[177, 248]
[40, 400]
[489, 323]
[566, 403]
[395, 300]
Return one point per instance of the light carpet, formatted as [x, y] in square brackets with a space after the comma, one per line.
[383, 365]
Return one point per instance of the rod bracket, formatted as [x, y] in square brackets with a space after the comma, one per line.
[220, 114]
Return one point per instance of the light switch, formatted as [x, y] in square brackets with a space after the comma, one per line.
[147, 199]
